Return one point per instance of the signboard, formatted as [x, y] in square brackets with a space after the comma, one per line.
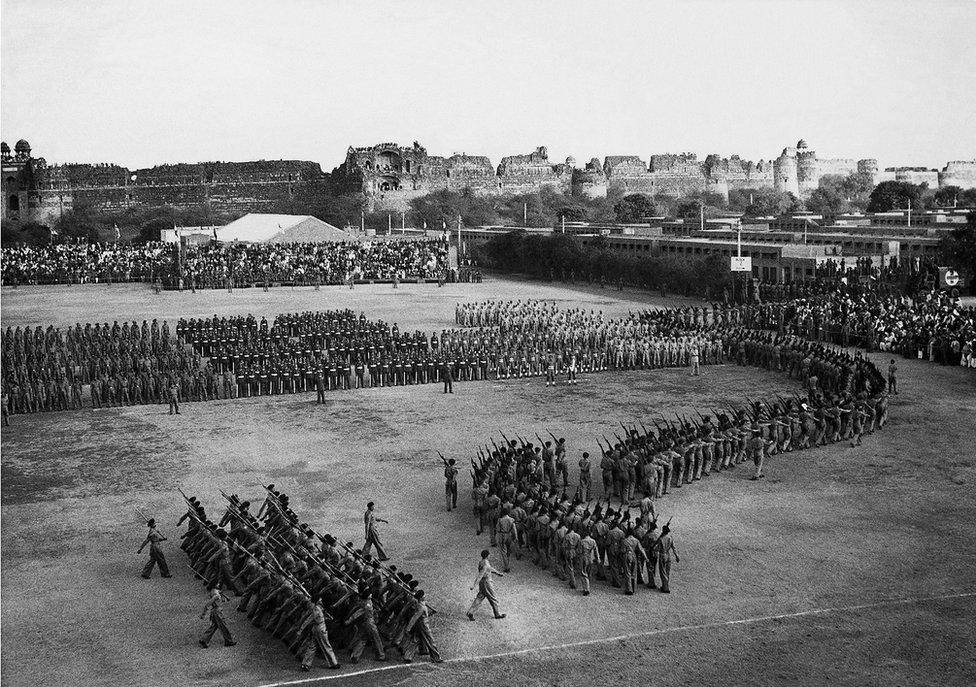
[743, 264]
[951, 278]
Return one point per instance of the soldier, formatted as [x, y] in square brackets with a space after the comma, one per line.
[319, 387]
[892, 378]
[156, 556]
[562, 468]
[664, 547]
[606, 469]
[318, 638]
[507, 537]
[450, 484]
[219, 560]
[585, 480]
[571, 547]
[492, 511]
[485, 588]
[447, 376]
[633, 560]
[174, 397]
[587, 558]
[364, 616]
[372, 535]
[217, 621]
[420, 627]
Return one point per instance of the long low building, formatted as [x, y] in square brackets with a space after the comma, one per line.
[775, 262]
[853, 243]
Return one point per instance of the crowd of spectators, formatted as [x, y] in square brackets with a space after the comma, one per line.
[212, 265]
[932, 325]
[218, 265]
[83, 263]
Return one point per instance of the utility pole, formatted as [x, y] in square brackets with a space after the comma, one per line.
[459, 238]
[389, 223]
[525, 214]
[564, 223]
[362, 221]
[909, 212]
[403, 222]
[701, 211]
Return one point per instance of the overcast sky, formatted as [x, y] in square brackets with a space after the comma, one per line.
[141, 83]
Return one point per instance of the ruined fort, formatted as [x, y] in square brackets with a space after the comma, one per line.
[389, 176]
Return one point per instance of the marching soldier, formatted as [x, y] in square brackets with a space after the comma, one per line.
[156, 556]
[450, 484]
[485, 588]
[372, 535]
[217, 621]
[664, 548]
[507, 538]
[585, 480]
[318, 638]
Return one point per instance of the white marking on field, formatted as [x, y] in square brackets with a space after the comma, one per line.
[635, 635]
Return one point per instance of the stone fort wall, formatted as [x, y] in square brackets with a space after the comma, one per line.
[389, 176]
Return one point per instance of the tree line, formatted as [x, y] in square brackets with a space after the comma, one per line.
[564, 257]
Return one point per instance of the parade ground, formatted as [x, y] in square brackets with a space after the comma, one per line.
[845, 566]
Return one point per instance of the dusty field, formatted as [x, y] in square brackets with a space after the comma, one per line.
[868, 554]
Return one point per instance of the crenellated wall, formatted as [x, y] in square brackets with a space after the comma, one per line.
[389, 176]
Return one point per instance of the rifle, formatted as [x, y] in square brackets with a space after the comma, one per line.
[143, 516]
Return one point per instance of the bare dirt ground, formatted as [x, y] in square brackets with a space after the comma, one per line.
[851, 566]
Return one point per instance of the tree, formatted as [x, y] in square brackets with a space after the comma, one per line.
[856, 186]
[768, 201]
[894, 195]
[634, 208]
[947, 196]
[827, 200]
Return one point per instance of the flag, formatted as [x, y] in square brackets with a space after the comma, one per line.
[214, 232]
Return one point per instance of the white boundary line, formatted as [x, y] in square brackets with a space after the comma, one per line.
[635, 635]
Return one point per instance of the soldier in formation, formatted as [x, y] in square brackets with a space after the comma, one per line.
[319, 596]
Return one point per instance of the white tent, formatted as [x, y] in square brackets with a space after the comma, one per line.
[261, 228]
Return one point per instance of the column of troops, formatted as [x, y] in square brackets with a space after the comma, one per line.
[329, 350]
[309, 590]
[321, 351]
[521, 488]
[121, 364]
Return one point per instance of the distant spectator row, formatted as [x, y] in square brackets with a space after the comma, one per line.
[220, 265]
